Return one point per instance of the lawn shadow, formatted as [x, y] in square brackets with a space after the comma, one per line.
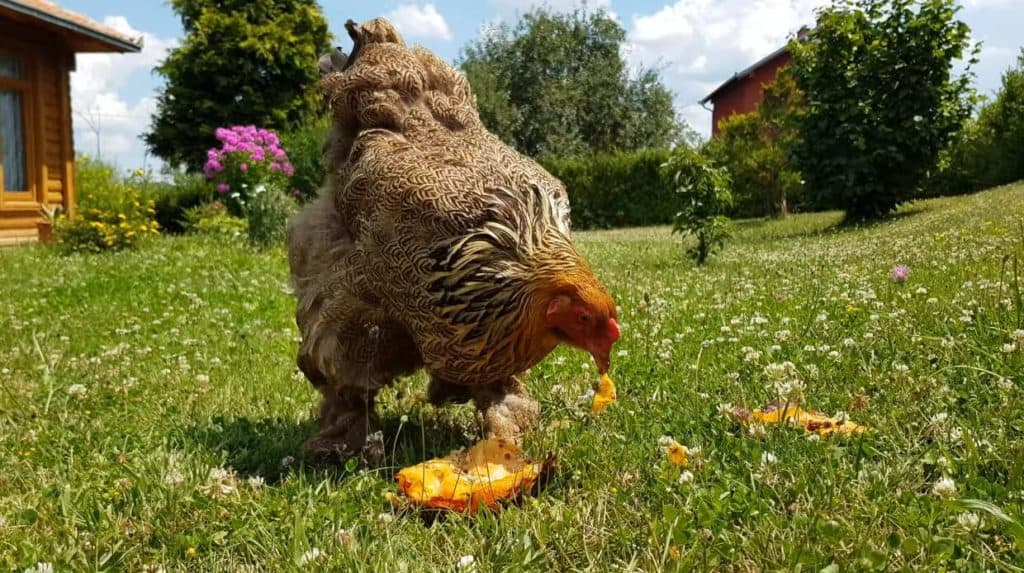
[816, 224]
[258, 447]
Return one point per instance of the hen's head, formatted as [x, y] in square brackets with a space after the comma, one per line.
[584, 316]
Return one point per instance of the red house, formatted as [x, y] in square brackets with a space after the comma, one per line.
[743, 92]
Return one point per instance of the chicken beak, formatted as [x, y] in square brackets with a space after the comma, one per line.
[601, 350]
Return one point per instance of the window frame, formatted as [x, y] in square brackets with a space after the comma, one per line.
[30, 198]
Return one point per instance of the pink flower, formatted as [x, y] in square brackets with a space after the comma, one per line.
[223, 187]
[244, 167]
[900, 273]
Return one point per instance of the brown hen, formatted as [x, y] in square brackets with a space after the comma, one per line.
[433, 245]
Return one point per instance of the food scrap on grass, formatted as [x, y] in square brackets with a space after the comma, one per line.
[485, 475]
[605, 394]
[794, 415]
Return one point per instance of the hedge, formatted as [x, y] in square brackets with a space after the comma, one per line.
[616, 190]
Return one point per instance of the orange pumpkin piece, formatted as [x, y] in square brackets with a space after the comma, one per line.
[491, 471]
[605, 394]
[810, 420]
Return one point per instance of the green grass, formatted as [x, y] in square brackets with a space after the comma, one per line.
[116, 479]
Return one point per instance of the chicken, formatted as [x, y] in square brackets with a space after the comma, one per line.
[432, 245]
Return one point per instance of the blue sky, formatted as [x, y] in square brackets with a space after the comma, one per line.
[696, 43]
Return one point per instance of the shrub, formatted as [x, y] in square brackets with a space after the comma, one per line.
[305, 151]
[615, 190]
[246, 158]
[703, 194]
[988, 150]
[113, 214]
[267, 212]
[214, 219]
[172, 200]
[754, 148]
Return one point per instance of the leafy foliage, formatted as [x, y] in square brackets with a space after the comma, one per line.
[267, 211]
[557, 84]
[305, 151]
[240, 63]
[173, 199]
[615, 189]
[881, 100]
[754, 149]
[113, 213]
[213, 219]
[988, 151]
[704, 198]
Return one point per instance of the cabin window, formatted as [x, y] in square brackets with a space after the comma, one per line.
[13, 145]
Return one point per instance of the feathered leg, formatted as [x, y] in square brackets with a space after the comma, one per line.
[505, 410]
[349, 353]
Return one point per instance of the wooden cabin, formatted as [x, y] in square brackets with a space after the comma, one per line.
[38, 43]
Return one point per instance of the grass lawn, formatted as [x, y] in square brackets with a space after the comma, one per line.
[150, 409]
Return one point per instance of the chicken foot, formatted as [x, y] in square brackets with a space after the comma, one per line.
[347, 425]
[504, 410]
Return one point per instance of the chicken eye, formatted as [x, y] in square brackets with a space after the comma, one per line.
[584, 318]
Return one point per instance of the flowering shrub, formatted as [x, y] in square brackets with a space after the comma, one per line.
[247, 157]
[113, 213]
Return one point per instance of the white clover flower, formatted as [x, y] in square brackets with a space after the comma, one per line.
[466, 561]
[768, 459]
[945, 487]
[256, 482]
[41, 567]
[77, 390]
[932, 300]
[311, 556]
[969, 520]
[939, 419]
[287, 461]
[849, 342]
[725, 409]
[921, 291]
[386, 517]
[775, 372]
[1009, 348]
[1018, 336]
[404, 418]
[686, 477]
[173, 477]
[665, 441]
[202, 379]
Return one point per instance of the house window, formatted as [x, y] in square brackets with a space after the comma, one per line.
[13, 145]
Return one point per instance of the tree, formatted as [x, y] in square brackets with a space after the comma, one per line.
[988, 150]
[557, 84]
[241, 63]
[704, 199]
[881, 100]
[754, 148]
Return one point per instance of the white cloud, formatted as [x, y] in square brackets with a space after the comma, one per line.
[701, 43]
[100, 109]
[423, 22]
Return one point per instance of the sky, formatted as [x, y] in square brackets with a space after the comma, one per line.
[696, 44]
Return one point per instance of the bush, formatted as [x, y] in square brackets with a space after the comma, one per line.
[248, 157]
[172, 200]
[754, 149]
[615, 190]
[267, 212]
[113, 213]
[214, 219]
[987, 152]
[703, 195]
[305, 151]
